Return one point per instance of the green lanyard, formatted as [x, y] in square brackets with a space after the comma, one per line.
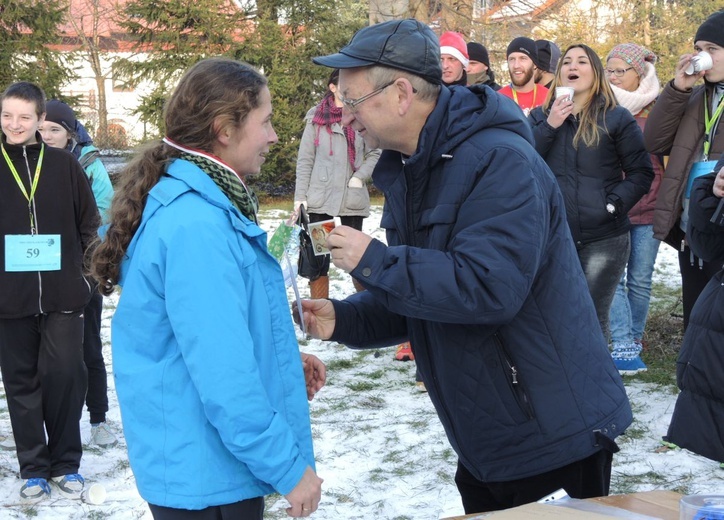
[709, 123]
[34, 185]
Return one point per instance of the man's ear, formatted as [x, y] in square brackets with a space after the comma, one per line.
[405, 95]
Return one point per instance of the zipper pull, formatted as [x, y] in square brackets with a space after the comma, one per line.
[514, 374]
[683, 245]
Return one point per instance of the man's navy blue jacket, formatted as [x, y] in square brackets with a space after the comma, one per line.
[481, 275]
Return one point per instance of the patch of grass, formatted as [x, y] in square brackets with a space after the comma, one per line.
[341, 364]
[361, 386]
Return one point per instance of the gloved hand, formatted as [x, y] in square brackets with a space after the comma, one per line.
[355, 182]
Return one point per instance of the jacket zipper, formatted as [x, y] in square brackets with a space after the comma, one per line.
[518, 391]
[34, 228]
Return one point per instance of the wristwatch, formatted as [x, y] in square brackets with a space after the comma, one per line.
[611, 208]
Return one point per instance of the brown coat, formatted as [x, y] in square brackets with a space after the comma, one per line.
[675, 127]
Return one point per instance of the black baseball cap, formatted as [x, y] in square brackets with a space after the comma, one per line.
[407, 45]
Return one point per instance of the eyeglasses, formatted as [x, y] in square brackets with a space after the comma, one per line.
[618, 72]
[352, 104]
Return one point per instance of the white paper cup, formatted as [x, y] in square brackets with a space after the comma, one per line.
[701, 61]
[94, 494]
[565, 92]
[701, 507]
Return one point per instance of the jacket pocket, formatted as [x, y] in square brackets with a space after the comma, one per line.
[356, 199]
[513, 380]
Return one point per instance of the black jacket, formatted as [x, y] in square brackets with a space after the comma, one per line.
[591, 177]
[64, 205]
[698, 416]
[480, 273]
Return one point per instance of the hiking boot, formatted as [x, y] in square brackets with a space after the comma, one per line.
[70, 486]
[34, 490]
[627, 359]
[404, 352]
[7, 443]
[102, 436]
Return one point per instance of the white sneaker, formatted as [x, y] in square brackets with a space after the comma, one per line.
[34, 490]
[7, 443]
[70, 486]
[101, 435]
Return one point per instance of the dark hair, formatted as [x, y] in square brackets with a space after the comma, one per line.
[213, 94]
[601, 99]
[27, 92]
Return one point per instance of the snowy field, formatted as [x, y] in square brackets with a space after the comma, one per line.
[379, 446]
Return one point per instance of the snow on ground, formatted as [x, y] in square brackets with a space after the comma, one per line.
[379, 446]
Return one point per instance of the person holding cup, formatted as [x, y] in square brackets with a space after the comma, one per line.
[588, 142]
[630, 70]
[684, 125]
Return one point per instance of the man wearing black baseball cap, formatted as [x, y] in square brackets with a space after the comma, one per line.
[479, 273]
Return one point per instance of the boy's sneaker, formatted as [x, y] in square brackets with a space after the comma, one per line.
[34, 490]
[70, 486]
[627, 359]
[404, 352]
[7, 443]
[101, 435]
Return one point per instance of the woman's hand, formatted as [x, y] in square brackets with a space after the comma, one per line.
[315, 374]
[560, 110]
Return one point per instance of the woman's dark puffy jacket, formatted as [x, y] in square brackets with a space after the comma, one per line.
[591, 177]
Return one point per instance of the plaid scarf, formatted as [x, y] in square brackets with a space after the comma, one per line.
[240, 196]
[326, 114]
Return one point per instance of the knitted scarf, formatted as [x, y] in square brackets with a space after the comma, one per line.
[240, 196]
[326, 114]
[643, 96]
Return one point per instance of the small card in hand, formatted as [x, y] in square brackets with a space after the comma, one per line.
[318, 231]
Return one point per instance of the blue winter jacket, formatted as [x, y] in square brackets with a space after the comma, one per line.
[206, 363]
[481, 274]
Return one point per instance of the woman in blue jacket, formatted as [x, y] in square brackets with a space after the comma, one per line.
[209, 377]
[588, 142]
[61, 129]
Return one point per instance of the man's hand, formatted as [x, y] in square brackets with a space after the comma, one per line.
[347, 245]
[682, 81]
[719, 183]
[315, 374]
[318, 316]
[304, 498]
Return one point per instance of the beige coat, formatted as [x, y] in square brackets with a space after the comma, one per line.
[323, 178]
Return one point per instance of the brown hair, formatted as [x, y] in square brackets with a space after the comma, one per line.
[213, 94]
[26, 91]
[601, 98]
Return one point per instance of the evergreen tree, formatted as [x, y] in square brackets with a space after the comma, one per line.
[28, 29]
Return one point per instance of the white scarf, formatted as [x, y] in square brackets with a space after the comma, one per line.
[642, 97]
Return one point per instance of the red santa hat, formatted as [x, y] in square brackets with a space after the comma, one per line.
[453, 43]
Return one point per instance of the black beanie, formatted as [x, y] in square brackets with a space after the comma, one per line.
[61, 114]
[712, 30]
[477, 52]
[524, 45]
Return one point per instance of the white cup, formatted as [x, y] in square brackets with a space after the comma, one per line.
[94, 494]
[566, 92]
[699, 62]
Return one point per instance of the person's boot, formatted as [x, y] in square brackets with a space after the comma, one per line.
[319, 288]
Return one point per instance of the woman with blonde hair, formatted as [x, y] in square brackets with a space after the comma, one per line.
[588, 142]
[208, 373]
[630, 70]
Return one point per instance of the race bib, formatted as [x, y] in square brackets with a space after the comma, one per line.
[697, 170]
[32, 253]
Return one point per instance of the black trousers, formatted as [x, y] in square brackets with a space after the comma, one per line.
[695, 274]
[586, 478]
[97, 397]
[45, 385]
[251, 509]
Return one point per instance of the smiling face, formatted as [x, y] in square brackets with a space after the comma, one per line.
[245, 147]
[716, 73]
[367, 118]
[54, 135]
[577, 71]
[629, 81]
[452, 68]
[521, 69]
[20, 121]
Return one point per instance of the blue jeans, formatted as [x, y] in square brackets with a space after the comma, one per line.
[631, 303]
[603, 263]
